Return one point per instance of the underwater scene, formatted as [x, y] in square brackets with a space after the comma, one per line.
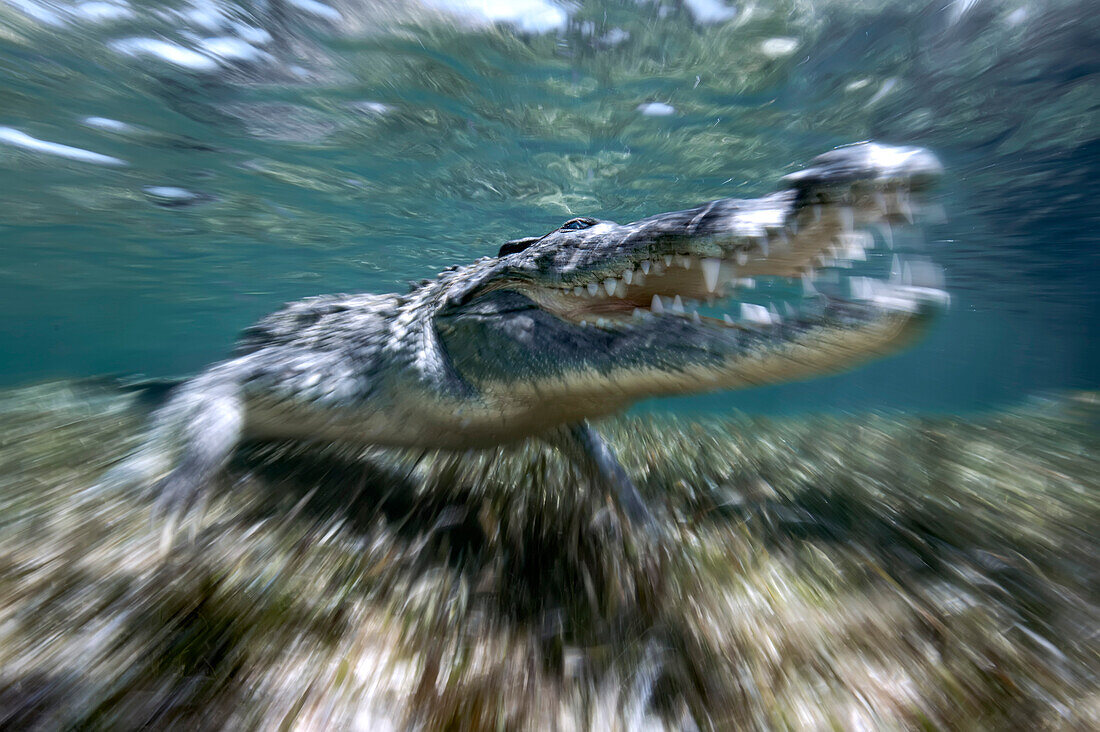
[549, 365]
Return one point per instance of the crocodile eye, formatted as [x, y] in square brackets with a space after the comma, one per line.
[517, 245]
[577, 224]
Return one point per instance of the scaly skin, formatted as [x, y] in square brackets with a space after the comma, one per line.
[577, 324]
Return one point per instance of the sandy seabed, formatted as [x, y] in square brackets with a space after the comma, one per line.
[864, 572]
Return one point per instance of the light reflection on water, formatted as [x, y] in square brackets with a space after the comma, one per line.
[170, 172]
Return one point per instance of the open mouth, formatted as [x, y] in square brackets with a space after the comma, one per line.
[837, 246]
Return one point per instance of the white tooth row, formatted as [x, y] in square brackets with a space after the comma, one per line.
[715, 271]
[849, 245]
[887, 202]
[675, 305]
[910, 283]
[750, 314]
[894, 294]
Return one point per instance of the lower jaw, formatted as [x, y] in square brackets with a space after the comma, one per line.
[784, 354]
[697, 360]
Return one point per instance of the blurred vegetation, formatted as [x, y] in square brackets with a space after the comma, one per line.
[874, 571]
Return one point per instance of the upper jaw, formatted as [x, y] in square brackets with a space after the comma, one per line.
[723, 247]
[784, 234]
[843, 204]
[869, 162]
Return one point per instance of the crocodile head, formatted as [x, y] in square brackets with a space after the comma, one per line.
[732, 293]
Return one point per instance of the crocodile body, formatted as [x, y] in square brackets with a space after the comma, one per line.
[577, 324]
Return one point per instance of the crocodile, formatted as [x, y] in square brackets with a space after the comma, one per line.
[573, 325]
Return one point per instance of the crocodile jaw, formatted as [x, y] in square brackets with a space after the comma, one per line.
[583, 323]
[600, 372]
[819, 352]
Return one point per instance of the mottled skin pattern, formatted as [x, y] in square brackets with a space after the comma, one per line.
[576, 324]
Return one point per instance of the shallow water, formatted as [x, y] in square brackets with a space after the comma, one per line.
[172, 171]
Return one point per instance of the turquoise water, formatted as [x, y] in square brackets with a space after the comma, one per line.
[172, 171]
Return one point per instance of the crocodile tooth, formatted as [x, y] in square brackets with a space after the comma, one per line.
[593, 288]
[742, 257]
[816, 208]
[628, 276]
[685, 262]
[656, 306]
[757, 314]
[639, 279]
[711, 267]
[747, 282]
[620, 290]
[677, 305]
[644, 266]
[695, 317]
[601, 322]
[609, 284]
[637, 314]
[861, 288]
[727, 319]
[762, 242]
[774, 312]
[668, 260]
[808, 288]
[584, 323]
[578, 290]
[895, 269]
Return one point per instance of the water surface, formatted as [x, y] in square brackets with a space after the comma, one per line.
[172, 171]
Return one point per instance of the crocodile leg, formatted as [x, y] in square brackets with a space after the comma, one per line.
[212, 418]
[587, 449]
